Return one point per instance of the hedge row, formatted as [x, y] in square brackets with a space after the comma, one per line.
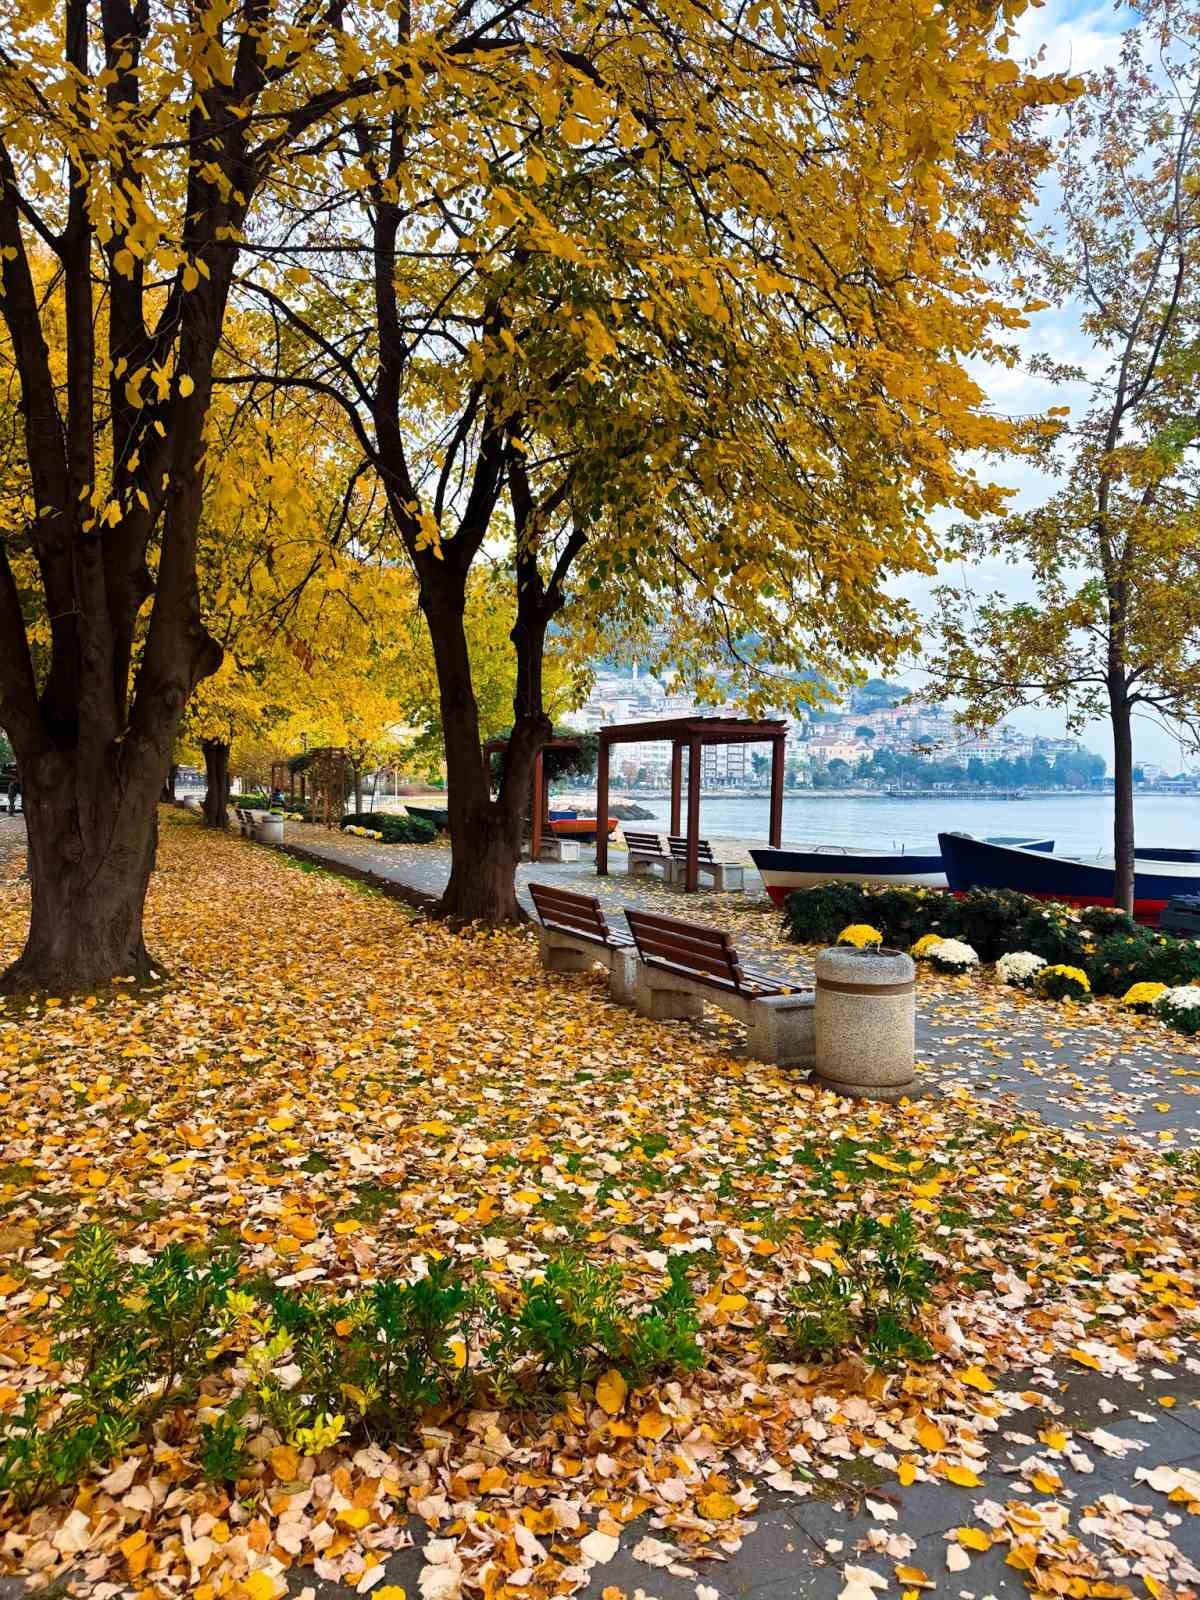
[1109, 946]
[395, 829]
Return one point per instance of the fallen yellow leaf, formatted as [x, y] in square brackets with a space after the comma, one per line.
[611, 1391]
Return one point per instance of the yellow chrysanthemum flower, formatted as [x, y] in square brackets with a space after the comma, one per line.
[1142, 994]
[860, 936]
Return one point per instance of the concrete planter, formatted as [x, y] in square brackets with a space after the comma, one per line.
[865, 1023]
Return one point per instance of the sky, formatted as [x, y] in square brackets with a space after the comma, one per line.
[1078, 36]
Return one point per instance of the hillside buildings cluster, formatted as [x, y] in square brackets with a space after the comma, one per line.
[879, 738]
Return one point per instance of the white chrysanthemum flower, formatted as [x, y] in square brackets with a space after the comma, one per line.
[1185, 998]
[1018, 966]
[952, 955]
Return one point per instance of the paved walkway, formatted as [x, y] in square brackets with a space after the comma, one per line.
[1092, 1070]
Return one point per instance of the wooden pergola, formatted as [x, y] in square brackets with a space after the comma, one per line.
[692, 733]
[540, 805]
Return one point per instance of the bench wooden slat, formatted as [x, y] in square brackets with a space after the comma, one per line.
[578, 915]
[687, 961]
[643, 844]
[679, 849]
[682, 944]
[705, 954]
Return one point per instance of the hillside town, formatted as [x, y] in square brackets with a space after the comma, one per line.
[881, 738]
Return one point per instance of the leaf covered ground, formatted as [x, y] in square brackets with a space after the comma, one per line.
[353, 1092]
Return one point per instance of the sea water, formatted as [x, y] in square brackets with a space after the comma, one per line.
[1079, 824]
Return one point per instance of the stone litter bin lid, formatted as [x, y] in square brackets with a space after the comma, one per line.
[880, 971]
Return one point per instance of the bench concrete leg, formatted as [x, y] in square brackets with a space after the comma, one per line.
[785, 1035]
[663, 1004]
[623, 976]
[563, 958]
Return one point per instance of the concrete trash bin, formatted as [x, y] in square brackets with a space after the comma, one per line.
[865, 1023]
[269, 829]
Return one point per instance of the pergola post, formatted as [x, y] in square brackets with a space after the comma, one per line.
[692, 880]
[540, 784]
[602, 808]
[775, 834]
[676, 785]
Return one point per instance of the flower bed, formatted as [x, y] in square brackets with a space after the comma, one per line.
[1052, 950]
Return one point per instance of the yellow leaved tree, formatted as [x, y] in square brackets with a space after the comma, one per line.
[685, 295]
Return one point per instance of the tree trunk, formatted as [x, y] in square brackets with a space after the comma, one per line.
[485, 834]
[89, 866]
[216, 794]
[1122, 796]
[168, 788]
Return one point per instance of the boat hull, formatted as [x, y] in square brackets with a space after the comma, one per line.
[582, 828]
[783, 871]
[438, 818]
[976, 864]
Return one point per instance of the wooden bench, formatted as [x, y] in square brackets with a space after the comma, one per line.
[645, 854]
[681, 965]
[724, 874]
[574, 935]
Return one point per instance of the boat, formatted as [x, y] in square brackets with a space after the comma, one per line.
[581, 828]
[561, 816]
[434, 815]
[784, 870]
[1158, 874]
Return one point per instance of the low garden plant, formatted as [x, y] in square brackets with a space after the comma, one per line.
[1019, 968]
[1180, 1007]
[951, 955]
[132, 1339]
[138, 1340]
[865, 1293]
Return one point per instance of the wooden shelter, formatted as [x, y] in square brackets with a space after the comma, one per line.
[540, 801]
[322, 781]
[692, 734]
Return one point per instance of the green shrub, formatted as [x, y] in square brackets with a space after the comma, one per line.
[1121, 959]
[904, 914]
[817, 915]
[379, 1358]
[132, 1339]
[992, 921]
[1052, 932]
[223, 1455]
[1104, 921]
[573, 1327]
[1175, 962]
[1180, 1008]
[871, 1299]
[136, 1339]
[395, 829]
